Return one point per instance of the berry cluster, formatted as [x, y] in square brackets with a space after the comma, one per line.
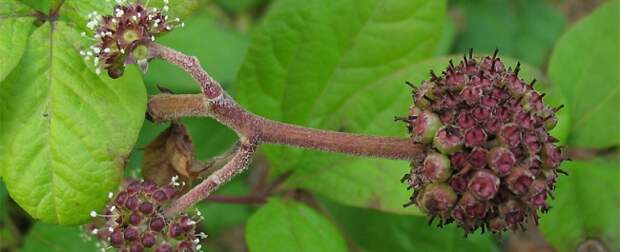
[134, 221]
[490, 161]
[123, 38]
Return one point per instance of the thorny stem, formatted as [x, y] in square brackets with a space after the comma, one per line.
[253, 129]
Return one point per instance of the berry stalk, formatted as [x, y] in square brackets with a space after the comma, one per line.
[166, 107]
[253, 129]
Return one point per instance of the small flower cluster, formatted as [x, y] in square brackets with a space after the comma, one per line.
[134, 221]
[123, 38]
[490, 160]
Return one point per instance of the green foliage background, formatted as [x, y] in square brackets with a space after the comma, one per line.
[331, 64]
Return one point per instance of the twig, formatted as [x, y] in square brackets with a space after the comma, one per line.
[165, 107]
[235, 166]
[253, 129]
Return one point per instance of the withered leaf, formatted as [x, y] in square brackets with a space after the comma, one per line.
[170, 154]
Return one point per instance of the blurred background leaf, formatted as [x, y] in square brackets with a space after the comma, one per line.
[54, 238]
[285, 226]
[236, 6]
[522, 29]
[228, 215]
[374, 231]
[585, 67]
[586, 206]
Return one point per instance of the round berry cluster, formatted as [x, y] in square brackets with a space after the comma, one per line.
[123, 38]
[490, 160]
[134, 220]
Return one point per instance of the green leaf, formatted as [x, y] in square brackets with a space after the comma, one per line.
[374, 231]
[289, 226]
[65, 133]
[375, 183]
[13, 8]
[43, 6]
[585, 206]
[77, 11]
[13, 43]
[54, 238]
[238, 5]
[220, 50]
[228, 215]
[523, 29]
[328, 64]
[585, 66]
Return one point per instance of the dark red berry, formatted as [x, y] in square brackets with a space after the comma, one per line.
[494, 130]
[134, 187]
[148, 240]
[116, 238]
[146, 208]
[135, 218]
[160, 196]
[132, 202]
[157, 224]
[131, 233]
[501, 160]
[175, 230]
[483, 185]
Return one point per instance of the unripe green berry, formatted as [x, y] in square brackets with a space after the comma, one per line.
[448, 140]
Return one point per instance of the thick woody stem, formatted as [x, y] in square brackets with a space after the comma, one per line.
[253, 129]
[235, 166]
[166, 107]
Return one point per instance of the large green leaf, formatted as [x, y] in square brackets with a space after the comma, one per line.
[586, 206]
[65, 133]
[42, 6]
[374, 231]
[13, 42]
[13, 8]
[585, 66]
[375, 182]
[328, 64]
[523, 29]
[54, 238]
[288, 226]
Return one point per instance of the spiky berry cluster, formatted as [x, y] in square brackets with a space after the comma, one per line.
[490, 161]
[134, 221]
[123, 38]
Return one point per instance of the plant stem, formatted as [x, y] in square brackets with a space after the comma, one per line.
[211, 89]
[253, 129]
[165, 107]
[235, 166]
